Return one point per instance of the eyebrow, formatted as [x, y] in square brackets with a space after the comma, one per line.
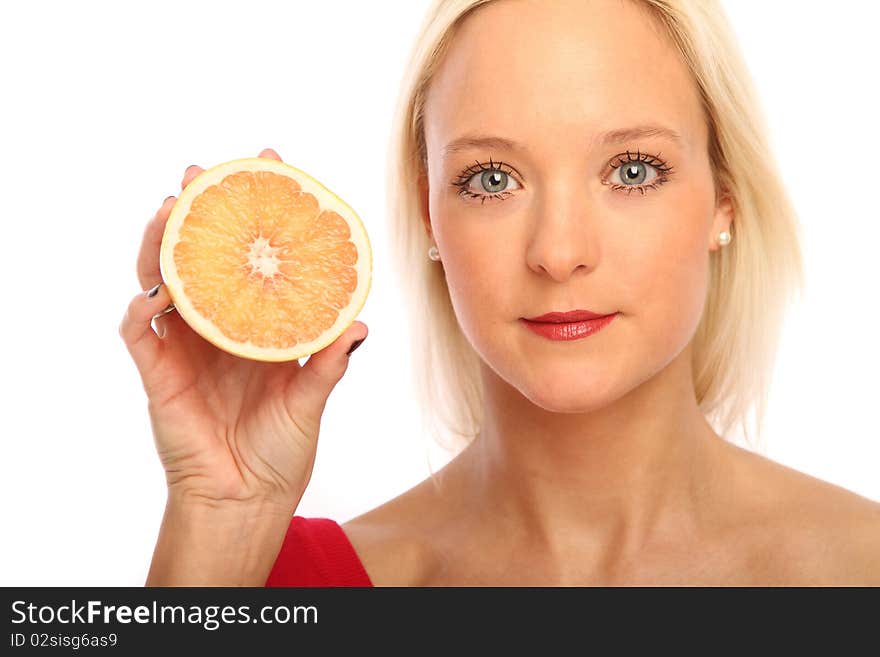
[609, 137]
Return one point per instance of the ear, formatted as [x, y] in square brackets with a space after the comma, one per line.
[424, 205]
[723, 219]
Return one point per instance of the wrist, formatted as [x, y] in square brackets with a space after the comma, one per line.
[205, 542]
[197, 505]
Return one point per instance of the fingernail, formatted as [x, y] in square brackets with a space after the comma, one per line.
[167, 198]
[355, 345]
[153, 291]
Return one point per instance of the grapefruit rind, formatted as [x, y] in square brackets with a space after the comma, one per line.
[327, 201]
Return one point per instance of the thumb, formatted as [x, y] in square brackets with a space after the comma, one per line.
[325, 368]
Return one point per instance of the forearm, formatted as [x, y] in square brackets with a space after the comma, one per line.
[216, 545]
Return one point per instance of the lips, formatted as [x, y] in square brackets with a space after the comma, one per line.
[568, 316]
[568, 330]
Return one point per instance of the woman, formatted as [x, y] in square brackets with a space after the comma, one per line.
[604, 156]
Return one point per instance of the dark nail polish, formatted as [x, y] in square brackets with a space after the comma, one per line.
[354, 345]
[154, 291]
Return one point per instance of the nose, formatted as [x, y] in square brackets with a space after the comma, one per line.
[564, 234]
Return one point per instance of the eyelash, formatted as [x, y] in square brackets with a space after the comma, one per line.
[662, 168]
[465, 176]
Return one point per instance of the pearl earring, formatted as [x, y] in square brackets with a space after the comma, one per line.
[434, 253]
[724, 238]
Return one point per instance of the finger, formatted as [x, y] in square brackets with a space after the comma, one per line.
[324, 370]
[269, 154]
[136, 330]
[191, 172]
[148, 258]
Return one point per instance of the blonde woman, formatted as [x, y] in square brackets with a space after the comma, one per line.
[599, 251]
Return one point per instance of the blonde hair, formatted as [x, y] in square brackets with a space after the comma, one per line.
[752, 280]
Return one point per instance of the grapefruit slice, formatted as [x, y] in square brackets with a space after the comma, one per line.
[263, 261]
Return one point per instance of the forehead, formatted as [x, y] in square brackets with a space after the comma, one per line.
[558, 73]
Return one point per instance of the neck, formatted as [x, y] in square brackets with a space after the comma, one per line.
[626, 474]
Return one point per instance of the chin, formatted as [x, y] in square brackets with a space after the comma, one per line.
[565, 396]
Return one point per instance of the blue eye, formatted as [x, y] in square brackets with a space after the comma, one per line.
[639, 173]
[493, 179]
[634, 174]
[627, 172]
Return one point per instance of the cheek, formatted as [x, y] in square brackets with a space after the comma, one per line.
[470, 249]
[477, 273]
[477, 265]
[666, 273]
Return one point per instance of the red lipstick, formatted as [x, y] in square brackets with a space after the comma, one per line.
[571, 325]
[569, 316]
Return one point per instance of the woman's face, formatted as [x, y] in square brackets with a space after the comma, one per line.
[562, 218]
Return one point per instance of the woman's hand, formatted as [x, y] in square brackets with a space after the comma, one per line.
[227, 429]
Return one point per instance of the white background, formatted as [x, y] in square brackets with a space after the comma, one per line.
[106, 103]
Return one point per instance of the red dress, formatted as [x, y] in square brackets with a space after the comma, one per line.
[316, 552]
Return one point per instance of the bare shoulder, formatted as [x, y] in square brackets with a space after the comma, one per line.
[792, 528]
[392, 540]
[825, 534]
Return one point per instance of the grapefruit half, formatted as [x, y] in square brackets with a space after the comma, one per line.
[265, 262]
